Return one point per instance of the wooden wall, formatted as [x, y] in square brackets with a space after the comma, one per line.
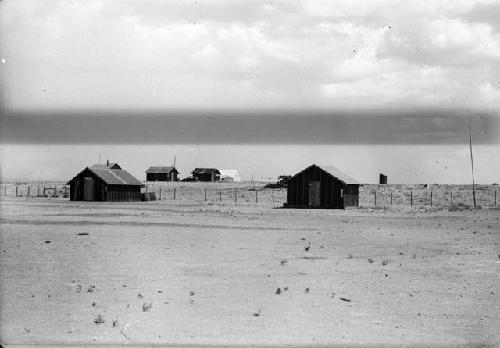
[123, 193]
[77, 187]
[330, 189]
[103, 191]
[161, 176]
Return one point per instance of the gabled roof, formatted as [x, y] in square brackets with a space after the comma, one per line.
[157, 170]
[333, 171]
[205, 171]
[112, 176]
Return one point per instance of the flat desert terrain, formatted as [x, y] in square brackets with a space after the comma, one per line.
[188, 272]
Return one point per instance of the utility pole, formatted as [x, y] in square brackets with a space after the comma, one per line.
[472, 167]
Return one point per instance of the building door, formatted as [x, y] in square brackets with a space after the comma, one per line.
[88, 189]
[314, 194]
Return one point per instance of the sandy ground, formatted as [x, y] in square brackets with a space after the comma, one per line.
[194, 273]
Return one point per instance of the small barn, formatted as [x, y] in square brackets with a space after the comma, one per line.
[162, 174]
[323, 187]
[206, 174]
[102, 182]
[230, 175]
[382, 179]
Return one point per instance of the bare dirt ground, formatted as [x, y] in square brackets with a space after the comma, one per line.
[194, 273]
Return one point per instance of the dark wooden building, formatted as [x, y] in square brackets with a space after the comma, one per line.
[206, 174]
[322, 187]
[162, 174]
[382, 179]
[102, 182]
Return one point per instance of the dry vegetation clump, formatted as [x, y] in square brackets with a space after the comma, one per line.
[146, 306]
[99, 320]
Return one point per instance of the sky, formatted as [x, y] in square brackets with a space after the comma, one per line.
[333, 72]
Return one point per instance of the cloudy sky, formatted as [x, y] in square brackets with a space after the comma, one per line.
[237, 54]
[74, 58]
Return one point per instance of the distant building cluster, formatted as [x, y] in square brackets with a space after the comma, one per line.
[321, 187]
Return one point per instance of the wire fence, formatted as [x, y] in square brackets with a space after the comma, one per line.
[486, 196]
[217, 193]
[370, 195]
[236, 195]
[35, 190]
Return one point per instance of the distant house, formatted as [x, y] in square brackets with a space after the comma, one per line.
[103, 182]
[206, 174]
[229, 175]
[322, 187]
[161, 174]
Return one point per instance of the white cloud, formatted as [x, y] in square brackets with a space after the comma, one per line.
[156, 54]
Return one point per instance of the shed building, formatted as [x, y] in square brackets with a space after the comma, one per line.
[382, 179]
[323, 187]
[206, 174]
[102, 183]
[162, 174]
[230, 175]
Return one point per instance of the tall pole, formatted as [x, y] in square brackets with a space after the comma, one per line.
[472, 167]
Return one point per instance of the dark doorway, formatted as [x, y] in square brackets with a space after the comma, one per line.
[314, 194]
[88, 189]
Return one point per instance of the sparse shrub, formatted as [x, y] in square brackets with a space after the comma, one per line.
[146, 306]
[385, 262]
[99, 320]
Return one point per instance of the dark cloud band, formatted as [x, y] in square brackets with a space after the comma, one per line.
[273, 127]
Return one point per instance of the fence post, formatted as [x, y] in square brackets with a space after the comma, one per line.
[235, 199]
[411, 198]
[16, 190]
[55, 191]
[29, 189]
[205, 194]
[431, 198]
[451, 198]
[220, 195]
[256, 199]
[495, 198]
[159, 198]
[5, 191]
[391, 197]
[375, 193]
[38, 191]
[174, 193]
